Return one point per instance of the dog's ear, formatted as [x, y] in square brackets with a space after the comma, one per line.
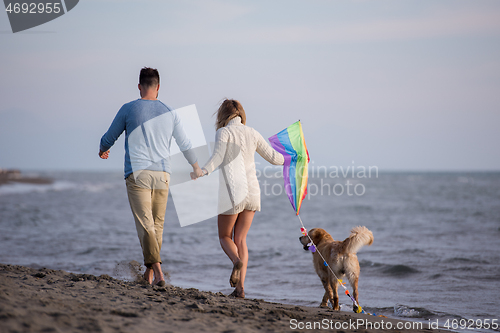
[316, 235]
[312, 232]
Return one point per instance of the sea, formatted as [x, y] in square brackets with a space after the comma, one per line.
[435, 255]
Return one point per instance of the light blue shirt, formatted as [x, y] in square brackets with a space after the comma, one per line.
[149, 126]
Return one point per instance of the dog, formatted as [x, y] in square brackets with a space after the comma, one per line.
[341, 257]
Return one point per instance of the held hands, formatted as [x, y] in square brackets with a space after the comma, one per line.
[197, 172]
[195, 175]
[104, 154]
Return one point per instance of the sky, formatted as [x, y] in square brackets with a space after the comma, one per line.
[401, 85]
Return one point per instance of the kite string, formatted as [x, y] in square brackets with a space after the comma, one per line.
[331, 270]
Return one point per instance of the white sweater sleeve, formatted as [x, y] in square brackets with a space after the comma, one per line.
[217, 157]
[267, 152]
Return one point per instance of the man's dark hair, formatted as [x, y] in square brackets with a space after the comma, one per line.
[149, 77]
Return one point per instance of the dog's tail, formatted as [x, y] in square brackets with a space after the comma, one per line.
[359, 237]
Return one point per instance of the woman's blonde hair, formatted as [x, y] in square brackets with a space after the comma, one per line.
[229, 109]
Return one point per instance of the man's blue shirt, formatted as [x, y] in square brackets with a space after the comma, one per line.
[149, 126]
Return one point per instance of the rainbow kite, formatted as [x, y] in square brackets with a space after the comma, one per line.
[291, 144]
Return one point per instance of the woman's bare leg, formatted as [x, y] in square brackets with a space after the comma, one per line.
[225, 224]
[241, 228]
[226, 228]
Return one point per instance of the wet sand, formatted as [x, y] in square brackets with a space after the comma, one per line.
[45, 300]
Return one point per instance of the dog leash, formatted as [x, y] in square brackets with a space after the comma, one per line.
[314, 249]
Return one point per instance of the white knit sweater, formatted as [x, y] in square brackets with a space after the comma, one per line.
[234, 153]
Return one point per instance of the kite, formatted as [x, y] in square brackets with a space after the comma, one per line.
[291, 144]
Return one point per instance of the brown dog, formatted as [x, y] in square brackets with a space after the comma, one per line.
[341, 257]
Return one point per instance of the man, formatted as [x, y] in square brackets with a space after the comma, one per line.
[149, 126]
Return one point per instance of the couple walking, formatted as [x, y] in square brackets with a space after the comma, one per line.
[149, 126]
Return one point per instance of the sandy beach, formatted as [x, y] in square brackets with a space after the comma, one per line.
[45, 300]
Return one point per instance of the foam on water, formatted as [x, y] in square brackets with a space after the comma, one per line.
[60, 185]
[23, 188]
[407, 312]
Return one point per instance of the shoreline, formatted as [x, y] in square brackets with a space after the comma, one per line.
[34, 300]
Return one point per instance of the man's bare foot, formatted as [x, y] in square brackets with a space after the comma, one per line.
[148, 275]
[235, 274]
[159, 279]
[161, 283]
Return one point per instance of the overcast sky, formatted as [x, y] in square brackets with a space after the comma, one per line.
[401, 85]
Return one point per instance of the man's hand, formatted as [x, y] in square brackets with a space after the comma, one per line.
[104, 154]
[197, 172]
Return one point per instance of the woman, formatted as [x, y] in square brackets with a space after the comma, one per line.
[235, 147]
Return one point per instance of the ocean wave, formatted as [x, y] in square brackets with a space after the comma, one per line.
[88, 251]
[23, 188]
[386, 269]
[369, 263]
[362, 208]
[408, 312]
[399, 270]
[390, 270]
[493, 277]
[58, 186]
[95, 188]
[466, 260]
[412, 251]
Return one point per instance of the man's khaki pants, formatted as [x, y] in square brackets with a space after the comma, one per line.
[148, 193]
